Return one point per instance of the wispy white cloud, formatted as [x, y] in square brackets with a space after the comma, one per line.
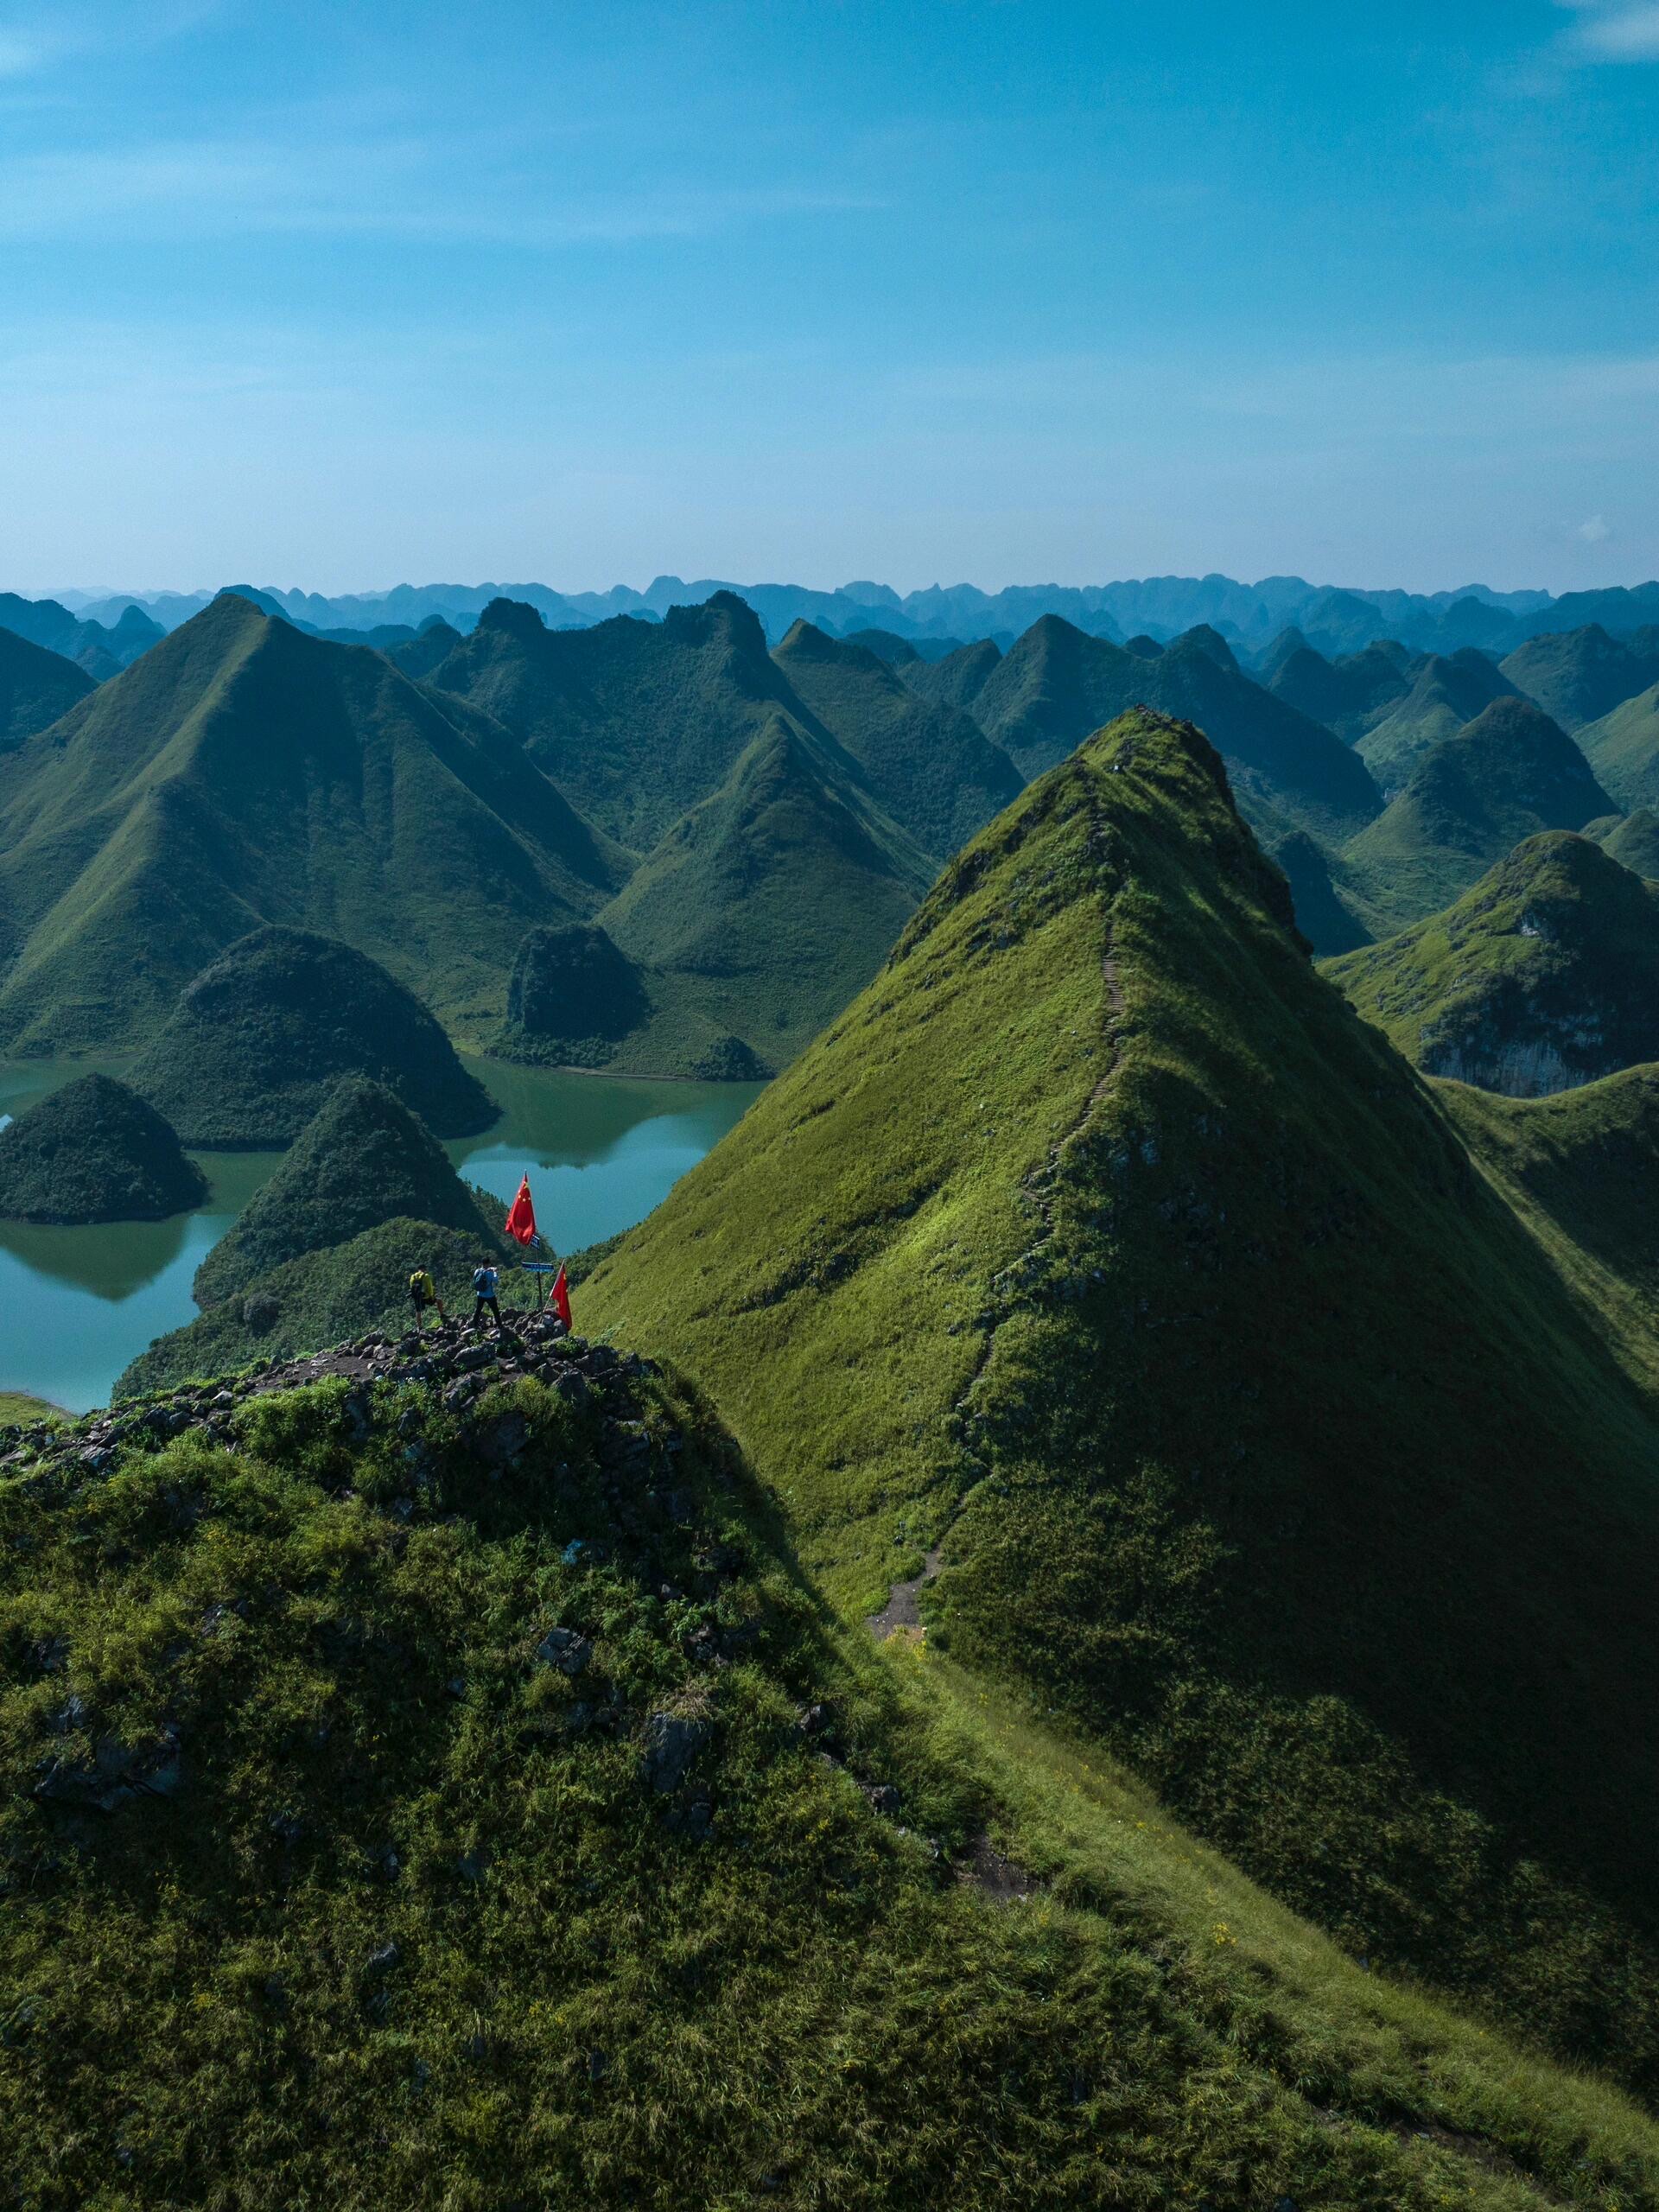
[1593, 532]
[1613, 30]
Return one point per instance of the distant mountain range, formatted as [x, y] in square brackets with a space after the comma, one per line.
[1334, 619]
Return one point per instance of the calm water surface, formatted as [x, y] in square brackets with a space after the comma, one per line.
[77, 1304]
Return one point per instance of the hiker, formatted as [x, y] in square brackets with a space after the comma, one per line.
[422, 1292]
[483, 1293]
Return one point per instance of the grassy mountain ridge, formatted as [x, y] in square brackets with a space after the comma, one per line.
[1347, 694]
[1507, 775]
[1444, 695]
[1259, 1435]
[1579, 675]
[35, 687]
[1622, 748]
[1055, 685]
[242, 773]
[407, 1797]
[932, 768]
[1544, 974]
[1633, 841]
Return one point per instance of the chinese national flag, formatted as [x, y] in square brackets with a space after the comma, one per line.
[561, 1298]
[521, 1221]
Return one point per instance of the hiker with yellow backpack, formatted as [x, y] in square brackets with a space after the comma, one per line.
[422, 1292]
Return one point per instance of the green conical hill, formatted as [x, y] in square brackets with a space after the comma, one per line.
[957, 678]
[1579, 675]
[1545, 974]
[404, 1797]
[1633, 841]
[243, 772]
[94, 1151]
[772, 903]
[1100, 1244]
[931, 767]
[252, 1045]
[1347, 694]
[1444, 696]
[1622, 748]
[1056, 684]
[35, 687]
[363, 1160]
[1508, 774]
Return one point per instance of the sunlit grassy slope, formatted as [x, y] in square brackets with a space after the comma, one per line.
[1100, 1242]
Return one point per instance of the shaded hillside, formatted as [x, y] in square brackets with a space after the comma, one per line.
[1056, 685]
[99, 649]
[409, 1780]
[930, 767]
[958, 679]
[767, 908]
[243, 772]
[426, 651]
[364, 1158]
[35, 687]
[1544, 976]
[1320, 915]
[1508, 774]
[635, 722]
[1633, 841]
[1444, 695]
[1347, 694]
[1622, 748]
[1581, 675]
[1099, 1244]
[251, 1048]
[94, 1151]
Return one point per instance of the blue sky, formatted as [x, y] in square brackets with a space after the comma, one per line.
[1028, 291]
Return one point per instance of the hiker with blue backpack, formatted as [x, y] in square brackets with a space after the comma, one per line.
[485, 1293]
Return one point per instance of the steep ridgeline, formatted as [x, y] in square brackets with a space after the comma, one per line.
[1348, 695]
[1444, 695]
[420, 1760]
[1056, 685]
[420, 655]
[242, 773]
[635, 722]
[931, 767]
[1633, 841]
[364, 1158]
[1622, 748]
[1544, 976]
[957, 679]
[35, 687]
[251, 1048]
[1101, 1245]
[1508, 774]
[1581, 675]
[94, 1151]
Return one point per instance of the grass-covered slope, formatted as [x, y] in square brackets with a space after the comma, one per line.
[930, 766]
[1102, 1244]
[1056, 684]
[1348, 694]
[1510, 773]
[94, 1151]
[246, 1057]
[243, 772]
[339, 1290]
[412, 1798]
[1545, 974]
[1622, 748]
[768, 907]
[1445, 693]
[35, 687]
[365, 1159]
[1579, 675]
[1633, 841]
[635, 722]
[956, 678]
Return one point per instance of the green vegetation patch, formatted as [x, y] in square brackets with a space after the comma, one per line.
[94, 1151]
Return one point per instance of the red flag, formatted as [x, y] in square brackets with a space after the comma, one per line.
[521, 1221]
[561, 1298]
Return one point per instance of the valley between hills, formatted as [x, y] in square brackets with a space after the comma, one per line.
[1072, 1622]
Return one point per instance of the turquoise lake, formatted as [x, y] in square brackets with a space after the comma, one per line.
[77, 1304]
